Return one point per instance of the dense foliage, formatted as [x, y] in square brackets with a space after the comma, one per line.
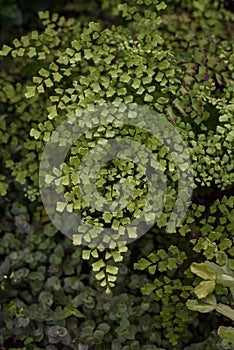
[175, 57]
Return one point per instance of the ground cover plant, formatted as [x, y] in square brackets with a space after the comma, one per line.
[163, 290]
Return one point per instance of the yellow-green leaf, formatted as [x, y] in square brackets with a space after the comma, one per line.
[204, 288]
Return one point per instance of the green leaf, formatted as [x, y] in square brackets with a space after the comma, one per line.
[98, 265]
[161, 6]
[94, 253]
[31, 90]
[3, 188]
[77, 313]
[148, 288]
[111, 278]
[52, 112]
[108, 255]
[5, 50]
[225, 310]
[136, 83]
[159, 76]
[76, 45]
[77, 239]
[142, 264]
[49, 178]
[34, 35]
[100, 275]
[225, 280]
[162, 266]
[44, 14]
[103, 283]
[40, 89]
[44, 73]
[37, 80]
[61, 206]
[226, 333]
[164, 65]
[201, 270]
[57, 76]
[35, 133]
[211, 300]
[148, 98]
[132, 232]
[152, 269]
[214, 267]
[86, 254]
[117, 257]
[204, 288]
[32, 52]
[25, 41]
[112, 269]
[88, 54]
[153, 257]
[48, 82]
[200, 306]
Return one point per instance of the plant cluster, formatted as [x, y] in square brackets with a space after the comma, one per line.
[175, 57]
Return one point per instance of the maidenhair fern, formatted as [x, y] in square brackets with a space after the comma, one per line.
[177, 61]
